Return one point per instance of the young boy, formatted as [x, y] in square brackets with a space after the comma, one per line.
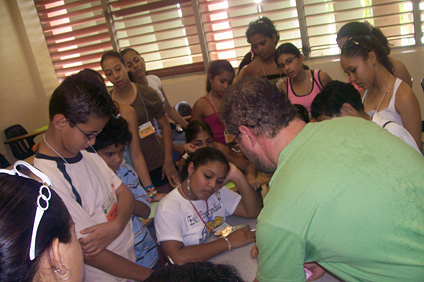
[99, 203]
[110, 145]
[339, 99]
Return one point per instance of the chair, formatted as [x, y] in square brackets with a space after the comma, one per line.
[184, 109]
[22, 148]
[3, 161]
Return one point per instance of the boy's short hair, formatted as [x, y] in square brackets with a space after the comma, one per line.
[115, 132]
[81, 96]
[332, 97]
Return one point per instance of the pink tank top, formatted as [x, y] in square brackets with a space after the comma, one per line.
[306, 100]
[215, 124]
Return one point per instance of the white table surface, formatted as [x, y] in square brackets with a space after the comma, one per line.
[240, 257]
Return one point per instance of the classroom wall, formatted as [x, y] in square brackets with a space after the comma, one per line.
[27, 76]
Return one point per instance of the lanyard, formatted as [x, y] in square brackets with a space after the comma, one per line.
[207, 210]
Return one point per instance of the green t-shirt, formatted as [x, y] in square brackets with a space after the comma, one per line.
[348, 195]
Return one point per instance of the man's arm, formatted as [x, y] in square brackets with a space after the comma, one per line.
[101, 235]
[117, 266]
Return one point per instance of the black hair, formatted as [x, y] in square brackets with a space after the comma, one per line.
[288, 48]
[302, 111]
[194, 127]
[81, 96]
[262, 26]
[257, 104]
[115, 132]
[195, 272]
[217, 68]
[202, 157]
[362, 45]
[111, 54]
[246, 60]
[332, 97]
[18, 203]
[362, 29]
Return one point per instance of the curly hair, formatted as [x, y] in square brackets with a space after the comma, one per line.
[114, 133]
[257, 104]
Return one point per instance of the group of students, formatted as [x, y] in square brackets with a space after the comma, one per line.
[105, 194]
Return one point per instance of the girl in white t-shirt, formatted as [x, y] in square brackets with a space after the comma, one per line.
[187, 215]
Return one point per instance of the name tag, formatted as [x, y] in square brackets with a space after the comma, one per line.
[110, 207]
[145, 130]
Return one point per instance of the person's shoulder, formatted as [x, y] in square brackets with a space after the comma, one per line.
[400, 70]
[153, 77]
[147, 91]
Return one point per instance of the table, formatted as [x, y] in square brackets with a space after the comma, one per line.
[240, 257]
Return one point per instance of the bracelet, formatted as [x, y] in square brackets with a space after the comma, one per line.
[150, 186]
[228, 242]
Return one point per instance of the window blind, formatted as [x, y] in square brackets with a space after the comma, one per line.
[163, 32]
[325, 18]
[76, 34]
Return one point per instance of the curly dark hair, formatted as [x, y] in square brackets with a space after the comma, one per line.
[114, 133]
[262, 26]
[257, 104]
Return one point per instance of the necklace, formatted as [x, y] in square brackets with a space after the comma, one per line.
[384, 95]
[306, 84]
[263, 70]
[51, 148]
[198, 214]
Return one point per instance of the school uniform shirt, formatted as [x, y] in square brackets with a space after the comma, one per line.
[177, 220]
[85, 183]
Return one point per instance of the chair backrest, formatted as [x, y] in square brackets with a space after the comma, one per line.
[183, 108]
[3, 161]
[21, 149]
[422, 84]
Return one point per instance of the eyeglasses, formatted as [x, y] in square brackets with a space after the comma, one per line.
[353, 43]
[287, 63]
[44, 196]
[233, 146]
[89, 136]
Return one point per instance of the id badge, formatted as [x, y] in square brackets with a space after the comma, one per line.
[228, 139]
[223, 230]
[145, 130]
[110, 208]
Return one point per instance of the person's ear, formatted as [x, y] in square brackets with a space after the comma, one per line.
[274, 38]
[190, 168]
[60, 270]
[247, 137]
[60, 121]
[372, 58]
[348, 110]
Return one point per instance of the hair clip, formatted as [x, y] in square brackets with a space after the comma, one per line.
[42, 197]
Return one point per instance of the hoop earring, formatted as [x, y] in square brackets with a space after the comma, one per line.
[188, 187]
[67, 270]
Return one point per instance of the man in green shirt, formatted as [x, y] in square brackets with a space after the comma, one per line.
[346, 195]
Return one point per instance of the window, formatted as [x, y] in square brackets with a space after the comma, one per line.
[178, 36]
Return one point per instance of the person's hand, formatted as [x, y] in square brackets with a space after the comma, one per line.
[168, 170]
[316, 269]
[254, 182]
[101, 235]
[233, 174]
[241, 237]
[189, 148]
[158, 197]
[254, 251]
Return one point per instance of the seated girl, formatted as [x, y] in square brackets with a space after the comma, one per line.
[220, 77]
[188, 214]
[199, 135]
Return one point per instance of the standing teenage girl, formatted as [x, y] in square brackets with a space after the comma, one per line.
[147, 104]
[137, 68]
[362, 29]
[366, 62]
[302, 84]
[220, 77]
[263, 37]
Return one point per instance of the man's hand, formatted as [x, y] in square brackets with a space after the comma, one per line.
[101, 235]
[316, 269]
